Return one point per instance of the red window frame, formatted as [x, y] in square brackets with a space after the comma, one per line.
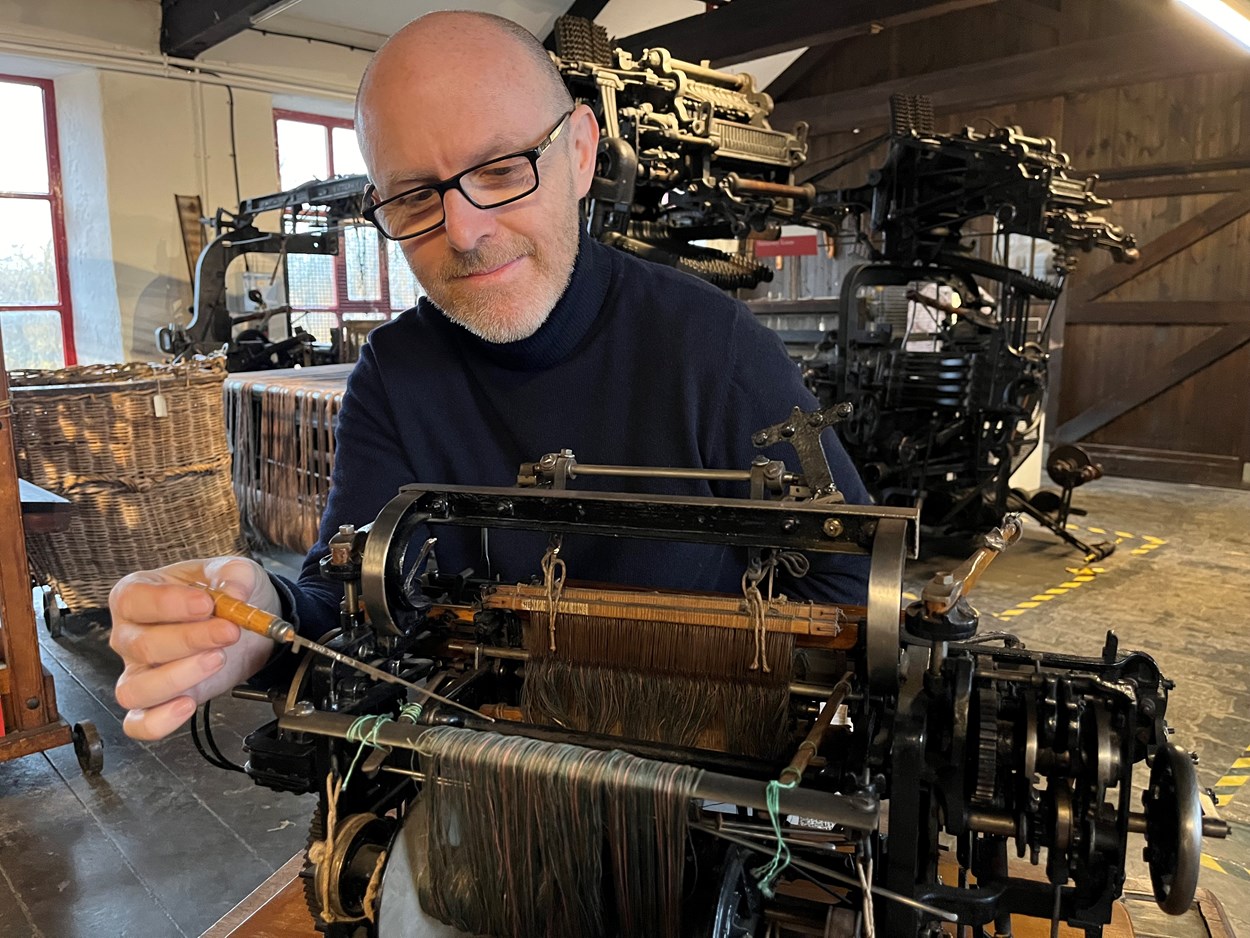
[55, 198]
[341, 302]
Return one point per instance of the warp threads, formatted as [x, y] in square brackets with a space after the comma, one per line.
[516, 831]
[664, 681]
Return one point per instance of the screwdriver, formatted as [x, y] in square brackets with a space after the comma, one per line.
[278, 630]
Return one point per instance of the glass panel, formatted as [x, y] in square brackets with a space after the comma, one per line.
[32, 339]
[24, 156]
[347, 158]
[302, 153]
[318, 324]
[360, 255]
[310, 281]
[27, 258]
[404, 289]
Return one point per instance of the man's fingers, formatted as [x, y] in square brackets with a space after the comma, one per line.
[159, 644]
[158, 722]
[139, 688]
[138, 599]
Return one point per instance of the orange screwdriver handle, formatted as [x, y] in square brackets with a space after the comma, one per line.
[249, 617]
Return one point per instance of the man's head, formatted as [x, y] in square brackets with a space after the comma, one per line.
[452, 90]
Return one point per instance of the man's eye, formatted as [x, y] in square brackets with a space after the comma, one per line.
[418, 200]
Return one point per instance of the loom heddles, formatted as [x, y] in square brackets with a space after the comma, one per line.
[516, 830]
[666, 681]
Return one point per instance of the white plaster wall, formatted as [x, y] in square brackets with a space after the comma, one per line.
[89, 237]
[131, 23]
[134, 132]
[162, 138]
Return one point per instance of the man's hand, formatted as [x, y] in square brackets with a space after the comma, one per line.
[176, 652]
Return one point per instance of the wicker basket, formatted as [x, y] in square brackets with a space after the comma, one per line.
[141, 451]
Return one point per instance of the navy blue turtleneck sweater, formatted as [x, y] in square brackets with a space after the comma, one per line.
[638, 364]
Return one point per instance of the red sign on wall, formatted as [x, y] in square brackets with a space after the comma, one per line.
[791, 246]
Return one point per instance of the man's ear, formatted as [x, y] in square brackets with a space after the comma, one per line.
[584, 130]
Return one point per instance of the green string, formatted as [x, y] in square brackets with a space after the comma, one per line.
[769, 872]
[365, 729]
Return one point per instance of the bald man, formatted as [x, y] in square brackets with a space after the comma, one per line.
[532, 338]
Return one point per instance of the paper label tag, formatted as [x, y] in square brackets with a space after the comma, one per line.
[160, 406]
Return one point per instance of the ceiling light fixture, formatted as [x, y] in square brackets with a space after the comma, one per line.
[1224, 15]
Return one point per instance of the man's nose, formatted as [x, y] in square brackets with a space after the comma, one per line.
[463, 223]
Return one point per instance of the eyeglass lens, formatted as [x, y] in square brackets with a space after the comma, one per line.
[487, 186]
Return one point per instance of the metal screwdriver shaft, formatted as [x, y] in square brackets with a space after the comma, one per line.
[277, 629]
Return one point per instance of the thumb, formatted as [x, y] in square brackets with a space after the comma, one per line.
[243, 579]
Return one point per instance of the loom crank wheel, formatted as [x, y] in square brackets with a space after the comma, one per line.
[1173, 829]
[739, 908]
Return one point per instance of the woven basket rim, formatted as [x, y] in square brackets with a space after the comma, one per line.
[131, 375]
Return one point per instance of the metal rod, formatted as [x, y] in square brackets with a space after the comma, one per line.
[666, 472]
[807, 749]
[858, 812]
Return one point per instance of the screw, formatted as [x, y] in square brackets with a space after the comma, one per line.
[760, 438]
[347, 530]
[504, 508]
[790, 525]
[815, 420]
[788, 430]
[303, 708]
[832, 527]
[32, 703]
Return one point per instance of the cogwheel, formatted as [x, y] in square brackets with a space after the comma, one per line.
[987, 748]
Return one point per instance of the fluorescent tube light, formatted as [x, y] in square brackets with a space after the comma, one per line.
[1223, 15]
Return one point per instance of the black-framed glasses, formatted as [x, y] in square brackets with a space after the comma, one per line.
[487, 185]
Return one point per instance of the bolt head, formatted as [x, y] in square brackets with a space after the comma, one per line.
[832, 527]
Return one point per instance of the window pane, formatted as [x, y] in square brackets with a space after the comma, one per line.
[310, 281]
[24, 156]
[347, 158]
[32, 339]
[404, 289]
[302, 154]
[317, 324]
[360, 255]
[27, 261]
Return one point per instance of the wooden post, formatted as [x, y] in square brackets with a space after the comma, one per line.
[32, 723]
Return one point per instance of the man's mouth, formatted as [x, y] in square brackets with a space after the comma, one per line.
[491, 271]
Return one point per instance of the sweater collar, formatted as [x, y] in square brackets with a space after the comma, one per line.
[571, 318]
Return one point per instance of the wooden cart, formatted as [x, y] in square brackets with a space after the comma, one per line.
[31, 722]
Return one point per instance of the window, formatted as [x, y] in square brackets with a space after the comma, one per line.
[36, 320]
[369, 278]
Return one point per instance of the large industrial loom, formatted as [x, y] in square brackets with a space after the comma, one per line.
[603, 760]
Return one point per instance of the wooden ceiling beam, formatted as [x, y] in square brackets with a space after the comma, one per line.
[1088, 65]
[188, 27]
[750, 29]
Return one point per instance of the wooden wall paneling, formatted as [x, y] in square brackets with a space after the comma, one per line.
[1190, 231]
[1088, 65]
[1196, 413]
[1160, 313]
[1209, 183]
[1149, 382]
[1168, 420]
